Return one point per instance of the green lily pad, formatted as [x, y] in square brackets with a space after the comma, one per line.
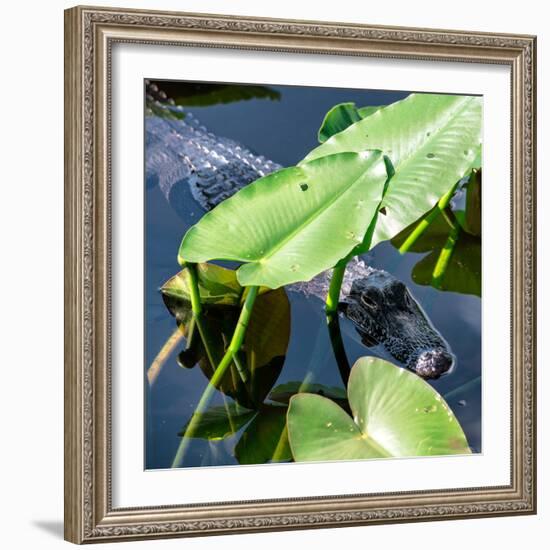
[294, 223]
[395, 414]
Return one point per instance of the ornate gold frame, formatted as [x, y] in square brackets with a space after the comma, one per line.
[89, 35]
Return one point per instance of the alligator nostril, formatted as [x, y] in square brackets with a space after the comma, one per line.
[432, 364]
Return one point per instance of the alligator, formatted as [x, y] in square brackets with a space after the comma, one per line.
[194, 166]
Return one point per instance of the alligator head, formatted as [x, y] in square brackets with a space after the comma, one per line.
[385, 313]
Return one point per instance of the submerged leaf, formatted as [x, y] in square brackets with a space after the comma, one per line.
[283, 392]
[220, 422]
[266, 341]
[293, 224]
[463, 273]
[395, 414]
[265, 438]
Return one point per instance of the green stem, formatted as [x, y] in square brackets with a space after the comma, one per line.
[196, 305]
[230, 419]
[449, 217]
[283, 438]
[304, 386]
[281, 445]
[333, 296]
[242, 323]
[333, 323]
[338, 348]
[445, 256]
[206, 341]
[424, 223]
[241, 368]
[204, 402]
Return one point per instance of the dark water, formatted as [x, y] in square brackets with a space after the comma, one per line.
[285, 131]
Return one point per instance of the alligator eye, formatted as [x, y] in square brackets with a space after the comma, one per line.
[408, 300]
[368, 302]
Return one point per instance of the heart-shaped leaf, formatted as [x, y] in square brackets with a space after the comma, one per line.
[431, 140]
[395, 414]
[294, 223]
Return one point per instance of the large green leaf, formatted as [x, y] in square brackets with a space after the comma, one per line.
[292, 224]
[395, 414]
[266, 341]
[340, 117]
[432, 140]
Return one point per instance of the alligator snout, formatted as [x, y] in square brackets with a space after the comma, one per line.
[385, 313]
[433, 363]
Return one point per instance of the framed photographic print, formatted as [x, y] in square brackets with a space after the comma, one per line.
[300, 274]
